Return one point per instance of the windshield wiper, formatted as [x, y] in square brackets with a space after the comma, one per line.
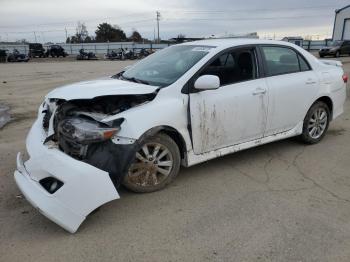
[133, 79]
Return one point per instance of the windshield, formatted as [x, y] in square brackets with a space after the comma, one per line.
[337, 43]
[166, 66]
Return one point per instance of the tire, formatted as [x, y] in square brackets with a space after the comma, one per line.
[315, 123]
[337, 54]
[143, 175]
[321, 56]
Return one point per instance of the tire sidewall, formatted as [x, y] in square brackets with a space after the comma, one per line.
[305, 135]
[175, 152]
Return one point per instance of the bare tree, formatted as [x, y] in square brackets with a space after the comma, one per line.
[81, 32]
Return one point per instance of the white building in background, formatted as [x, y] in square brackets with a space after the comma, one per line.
[341, 30]
[297, 40]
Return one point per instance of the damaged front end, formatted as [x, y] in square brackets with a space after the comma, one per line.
[76, 160]
[79, 131]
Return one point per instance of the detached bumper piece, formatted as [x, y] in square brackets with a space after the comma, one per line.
[48, 206]
[63, 189]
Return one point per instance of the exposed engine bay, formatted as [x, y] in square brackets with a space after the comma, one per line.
[79, 131]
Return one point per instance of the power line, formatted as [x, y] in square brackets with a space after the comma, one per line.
[248, 9]
[75, 21]
[242, 19]
[184, 11]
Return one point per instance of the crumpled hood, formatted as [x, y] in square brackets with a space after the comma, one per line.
[102, 87]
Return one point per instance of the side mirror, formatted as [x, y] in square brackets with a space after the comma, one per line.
[207, 82]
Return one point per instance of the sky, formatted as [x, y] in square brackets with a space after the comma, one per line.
[51, 20]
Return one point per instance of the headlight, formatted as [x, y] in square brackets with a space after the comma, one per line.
[85, 131]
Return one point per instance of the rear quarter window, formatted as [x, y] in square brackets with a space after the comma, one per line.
[304, 66]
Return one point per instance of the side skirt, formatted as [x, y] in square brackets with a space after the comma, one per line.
[193, 159]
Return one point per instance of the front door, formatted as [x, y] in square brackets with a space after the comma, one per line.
[234, 113]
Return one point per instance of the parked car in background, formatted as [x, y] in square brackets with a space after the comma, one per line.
[3, 55]
[337, 49]
[183, 105]
[56, 51]
[36, 50]
[16, 56]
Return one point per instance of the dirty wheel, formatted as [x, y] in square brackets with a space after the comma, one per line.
[316, 123]
[156, 164]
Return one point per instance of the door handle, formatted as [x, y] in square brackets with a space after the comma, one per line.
[259, 91]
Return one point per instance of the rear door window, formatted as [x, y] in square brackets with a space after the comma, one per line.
[280, 60]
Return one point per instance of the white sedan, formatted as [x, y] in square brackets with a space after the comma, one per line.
[183, 105]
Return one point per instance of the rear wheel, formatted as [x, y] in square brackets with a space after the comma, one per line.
[156, 164]
[316, 123]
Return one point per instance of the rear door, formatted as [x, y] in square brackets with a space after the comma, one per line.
[292, 85]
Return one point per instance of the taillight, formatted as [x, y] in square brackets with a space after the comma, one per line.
[345, 78]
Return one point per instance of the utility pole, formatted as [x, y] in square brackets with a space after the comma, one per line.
[65, 29]
[35, 37]
[42, 37]
[158, 18]
[154, 34]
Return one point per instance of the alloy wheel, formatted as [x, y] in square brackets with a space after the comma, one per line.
[153, 164]
[317, 123]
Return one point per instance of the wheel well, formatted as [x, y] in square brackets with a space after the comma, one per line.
[176, 136]
[169, 131]
[328, 102]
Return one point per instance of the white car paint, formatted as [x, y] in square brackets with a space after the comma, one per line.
[225, 120]
[87, 89]
[81, 193]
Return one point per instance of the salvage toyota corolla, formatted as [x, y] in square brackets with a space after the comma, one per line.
[182, 105]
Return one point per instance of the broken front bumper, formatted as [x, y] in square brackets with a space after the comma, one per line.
[84, 188]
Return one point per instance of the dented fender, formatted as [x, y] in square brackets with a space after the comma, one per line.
[157, 114]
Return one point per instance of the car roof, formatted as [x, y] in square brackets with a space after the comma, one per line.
[231, 42]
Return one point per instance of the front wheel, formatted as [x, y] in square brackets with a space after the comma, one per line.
[156, 164]
[316, 123]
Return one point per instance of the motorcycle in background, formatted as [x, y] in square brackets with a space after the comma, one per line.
[16, 56]
[114, 54]
[143, 53]
[86, 55]
[128, 54]
[121, 54]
